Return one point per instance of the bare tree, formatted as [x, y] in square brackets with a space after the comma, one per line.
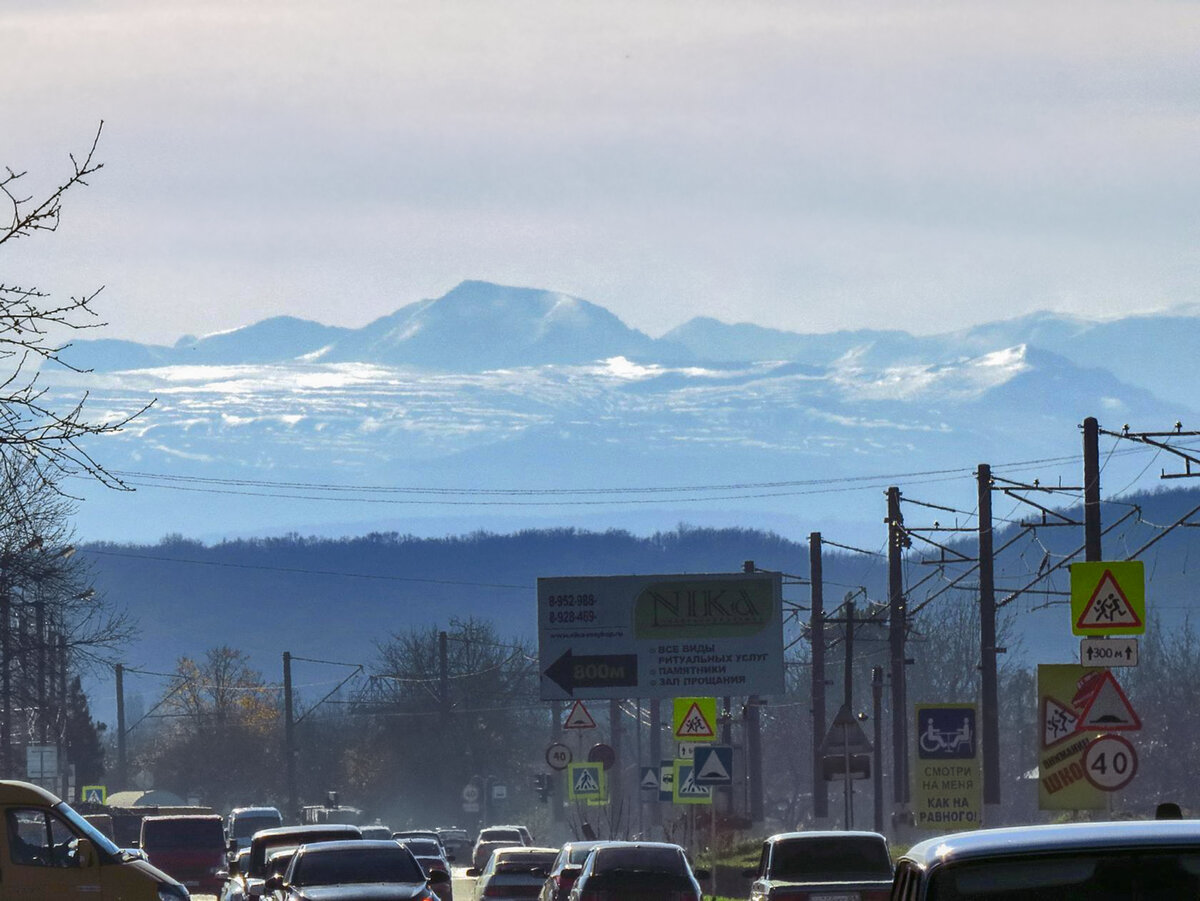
[48, 436]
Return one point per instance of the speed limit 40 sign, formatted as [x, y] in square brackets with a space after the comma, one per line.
[558, 756]
[1110, 762]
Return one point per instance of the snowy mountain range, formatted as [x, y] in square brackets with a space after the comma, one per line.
[501, 389]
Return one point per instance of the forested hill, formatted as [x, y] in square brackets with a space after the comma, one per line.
[335, 599]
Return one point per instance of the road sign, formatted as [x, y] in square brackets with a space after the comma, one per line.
[947, 779]
[695, 719]
[585, 781]
[602, 754]
[41, 762]
[94, 794]
[470, 793]
[714, 765]
[687, 789]
[1110, 762]
[579, 718]
[845, 736]
[649, 780]
[660, 636]
[1062, 696]
[1108, 651]
[1105, 706]
[499, 792]
[1108, 598]
[686, 750]
[558, 756]
[470, 807]
[666, 781]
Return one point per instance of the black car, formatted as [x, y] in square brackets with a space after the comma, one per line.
[638, 871]
[355, 871]
[245, 883]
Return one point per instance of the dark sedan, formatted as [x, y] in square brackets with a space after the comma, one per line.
[637, 871]
[354, 871]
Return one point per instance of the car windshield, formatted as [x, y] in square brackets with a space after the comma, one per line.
[422, 847]
[524, 863]
[641, 859]
[344, 866]
[1093, 876]
[246, 825]
[830, 859]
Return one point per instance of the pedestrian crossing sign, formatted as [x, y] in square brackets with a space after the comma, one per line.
[585, 781]
[94, 794]
[686, 789]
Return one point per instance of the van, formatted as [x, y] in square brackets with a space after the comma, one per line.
[47, 850]
[245, 821]
[191, 848]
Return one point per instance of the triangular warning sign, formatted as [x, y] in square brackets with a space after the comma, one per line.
[1108, 607]
[1058, 722]
[1109, 709]
[579, 718]
[585, 782]
[689, 787]
[713, 769]
[694, 724]
[649, 778]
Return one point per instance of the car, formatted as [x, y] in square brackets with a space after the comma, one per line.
[243, 822]
[833, 864]
[1105, 861]
[354, 871]
[190, 847]
[246, 881]
[431, 856]
[456, 841]
[637, 871]
[564, 870]
[375, 832]
[490, 839]
[513, 873]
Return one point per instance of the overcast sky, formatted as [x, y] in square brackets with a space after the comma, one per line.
[805, 165]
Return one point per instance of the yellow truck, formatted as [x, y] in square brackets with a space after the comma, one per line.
[48, 851]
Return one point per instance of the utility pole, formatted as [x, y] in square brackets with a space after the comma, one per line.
[848, 672]
[897, 627]
[754, 745]
[877, 715]
[1091, 490]
[817, 637]
[655, 754]
[121, 759]
[289, 737]
[443, 676]
[6, 680]
[615, 783]
[989, 700]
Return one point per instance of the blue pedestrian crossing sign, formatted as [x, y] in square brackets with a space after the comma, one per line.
[713, 765]
[585, 781]
[94, 794]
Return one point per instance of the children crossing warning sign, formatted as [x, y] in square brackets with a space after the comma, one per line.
[1108, 598]
[695, 719]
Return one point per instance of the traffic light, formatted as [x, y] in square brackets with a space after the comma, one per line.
[542, 783]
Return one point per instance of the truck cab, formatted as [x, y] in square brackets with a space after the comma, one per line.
[47, 850]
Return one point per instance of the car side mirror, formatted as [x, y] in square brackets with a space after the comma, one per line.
[85, 853]
[438, 877]
[702, 874]
[231, 846]
[473, 872]
[273, 883]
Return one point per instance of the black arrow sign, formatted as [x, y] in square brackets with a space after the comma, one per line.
[570, 671]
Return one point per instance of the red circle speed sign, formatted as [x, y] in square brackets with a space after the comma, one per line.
[1110, 763]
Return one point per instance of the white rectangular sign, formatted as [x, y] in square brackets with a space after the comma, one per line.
[660, 636]
[1108, 651]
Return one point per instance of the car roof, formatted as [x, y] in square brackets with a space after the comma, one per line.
[1048, 839]
[302, 830]
[254, 810]
[826, 834]
[522, 850]
[359, 845]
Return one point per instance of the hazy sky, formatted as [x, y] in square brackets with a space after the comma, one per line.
[805, 165]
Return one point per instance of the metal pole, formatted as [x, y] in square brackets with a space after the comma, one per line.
[289, 737]
[656, 754]
[1091, 490]
[848, 674]
[754, 745]
[848, 821]
[989, 691]
[6, 680]
[817, 631]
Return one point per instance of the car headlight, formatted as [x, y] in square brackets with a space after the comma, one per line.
[172, 892]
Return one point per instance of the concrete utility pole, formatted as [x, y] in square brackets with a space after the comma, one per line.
[1091, 490]
[754, 745]
[289, 737]
[897, 627]
[655, 753]
[989, 700]
[122, 760]
[817, 638]
[877, 714]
